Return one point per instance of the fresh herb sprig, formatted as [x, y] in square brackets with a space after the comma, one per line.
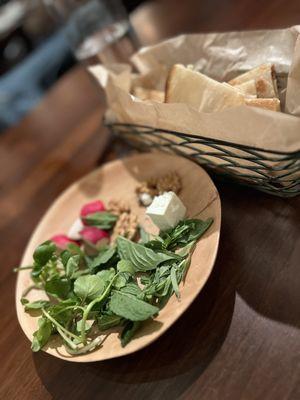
[118, 288]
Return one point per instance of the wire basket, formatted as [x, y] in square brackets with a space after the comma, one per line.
[273, 172]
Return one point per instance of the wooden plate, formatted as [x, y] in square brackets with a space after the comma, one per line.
[118, 180]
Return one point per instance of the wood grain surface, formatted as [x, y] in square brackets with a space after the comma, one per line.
[241, 337]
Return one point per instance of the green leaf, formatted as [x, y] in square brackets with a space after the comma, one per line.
[35, 305]
[185, 232]
[75, 249]
[58, 287]
[174, 282]
[107, 275]
[121, 280]
[187, 249]
[72, 265]
[131, 288]
[144, 236]
[102, 220]
[88, 325]
[42, 335]
[44, 252]
[156, 244]
[108, 321]
[126, 266]
[62, 311]
[128, 306]
[142, 258]
[103, 258]
[129, 331]
[65, 256]
[89, 287]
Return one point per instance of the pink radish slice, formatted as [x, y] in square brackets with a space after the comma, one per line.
[62, 241]
[91, 208]
[93, 234]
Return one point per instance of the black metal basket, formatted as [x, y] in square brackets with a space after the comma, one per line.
[273, 172]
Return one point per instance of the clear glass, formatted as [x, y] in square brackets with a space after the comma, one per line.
[98, 30]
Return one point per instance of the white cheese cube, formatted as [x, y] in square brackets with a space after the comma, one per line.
[166, 210]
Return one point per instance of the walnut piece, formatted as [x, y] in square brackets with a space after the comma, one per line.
[169, 183]
[117, 207]
[127, 226]
[155, 186]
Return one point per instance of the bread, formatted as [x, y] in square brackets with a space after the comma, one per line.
[197, 90]
[149, 94]
[265, 80]
[268, 104]
[247, 88]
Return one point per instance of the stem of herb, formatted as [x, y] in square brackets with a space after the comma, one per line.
[22, 268]
[58, 325]
[70, 308]
[91, 305]
[27, 290]
[90, 346]
[66, 339]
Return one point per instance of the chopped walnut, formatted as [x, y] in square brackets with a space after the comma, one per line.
[127, 226]
[117, 207]
[169, 183]
[155, 186]
[147, 187]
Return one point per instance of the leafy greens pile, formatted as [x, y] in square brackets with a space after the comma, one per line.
[121, 286]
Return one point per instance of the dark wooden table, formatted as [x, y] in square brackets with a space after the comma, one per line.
[241, 337]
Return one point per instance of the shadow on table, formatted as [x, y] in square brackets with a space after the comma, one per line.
[180, 356]
[265, 251]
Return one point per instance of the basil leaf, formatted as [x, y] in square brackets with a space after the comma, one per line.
[75, 249]
[102, 219]
[156, 244]
[144, 236]
[102, 258]
[44, 252]
[106, 275]
[126, 266]
[121, 280]
[142, 258]
[42, 335]
[35, 305]
[65, 256]
[131, 288]
[128, 306]
[61, 312]
[58, 287]
[185, 232]
[89, 287]
[129, 331]
[108, 321]
[72, 265]
[174, 282]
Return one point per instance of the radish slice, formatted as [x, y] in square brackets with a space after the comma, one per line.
[62, 241]
[93, 234]
[74, 231]
[91, 208]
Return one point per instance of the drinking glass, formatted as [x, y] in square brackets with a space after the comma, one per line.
[98, 30]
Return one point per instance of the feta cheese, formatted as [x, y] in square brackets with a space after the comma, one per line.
[74, 231]
[166, 210]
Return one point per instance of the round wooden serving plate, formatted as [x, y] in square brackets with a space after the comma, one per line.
[118, 180]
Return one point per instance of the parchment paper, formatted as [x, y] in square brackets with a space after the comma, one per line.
[221, 56]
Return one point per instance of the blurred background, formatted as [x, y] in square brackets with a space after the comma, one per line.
[36, 50]
[43, 39]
